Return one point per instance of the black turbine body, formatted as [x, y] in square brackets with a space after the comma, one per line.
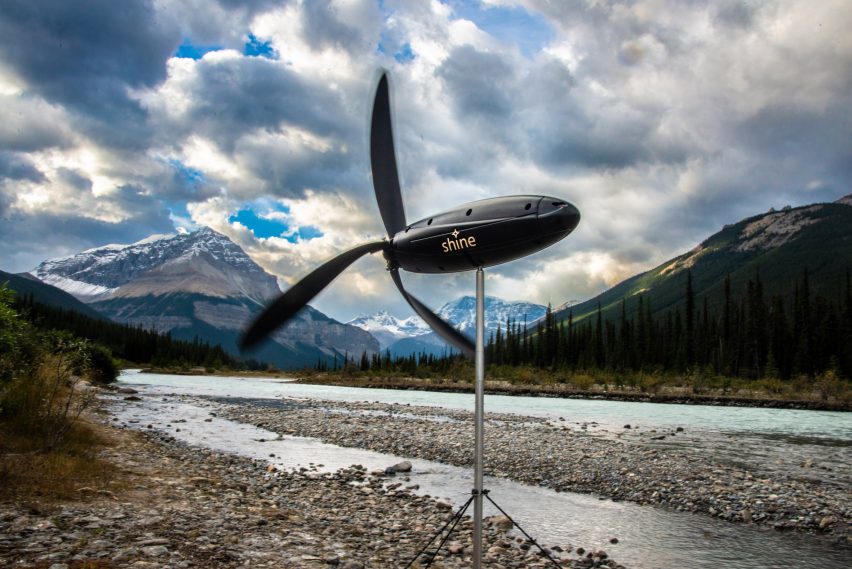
[471, 236]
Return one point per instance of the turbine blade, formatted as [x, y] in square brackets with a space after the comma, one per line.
[292, 301]
[438, 324]
[383, 162]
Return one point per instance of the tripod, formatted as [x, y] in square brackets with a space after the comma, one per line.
[478, 494]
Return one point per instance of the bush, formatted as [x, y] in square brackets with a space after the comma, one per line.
[46, 400]
[102, 367]
[829, 385]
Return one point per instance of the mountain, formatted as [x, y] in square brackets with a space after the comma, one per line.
[204, 262]
[24, 284]
[387, 328]
[461, 313]
[412, 335]
[198, 284]
[777, 245]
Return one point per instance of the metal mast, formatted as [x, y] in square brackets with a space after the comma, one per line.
[478, 419]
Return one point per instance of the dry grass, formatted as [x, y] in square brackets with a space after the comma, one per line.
[29, 474]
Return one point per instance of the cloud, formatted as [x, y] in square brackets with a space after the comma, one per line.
[17, 167]
[660, 120]
[88, 58]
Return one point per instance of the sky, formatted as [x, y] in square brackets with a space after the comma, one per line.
[662, 121]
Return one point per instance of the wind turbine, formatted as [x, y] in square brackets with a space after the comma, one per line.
[469, 237]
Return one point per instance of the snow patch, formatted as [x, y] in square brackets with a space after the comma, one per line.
[82, 291]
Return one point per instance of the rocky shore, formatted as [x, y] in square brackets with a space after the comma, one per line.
[667, 469]
[189, 507]
[667, 394]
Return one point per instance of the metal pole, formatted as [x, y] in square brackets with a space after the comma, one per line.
[478, 419]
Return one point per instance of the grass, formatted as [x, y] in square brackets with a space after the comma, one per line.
[32, 475]
[825, 391]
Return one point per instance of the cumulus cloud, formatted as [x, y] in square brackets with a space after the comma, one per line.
[660, 120]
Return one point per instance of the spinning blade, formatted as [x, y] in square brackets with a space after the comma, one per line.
[292, 301]
[437, 323]
[383, 162]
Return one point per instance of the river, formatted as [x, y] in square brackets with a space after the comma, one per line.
[648, 537]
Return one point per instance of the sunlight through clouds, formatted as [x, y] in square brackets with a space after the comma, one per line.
[662, 121]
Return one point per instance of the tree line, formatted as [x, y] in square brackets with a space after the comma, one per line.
[131, 343]
[749, 335]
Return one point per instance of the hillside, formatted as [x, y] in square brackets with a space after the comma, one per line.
[25, 284]
[777, 245]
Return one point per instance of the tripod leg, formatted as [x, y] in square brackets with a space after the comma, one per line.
[530, 539]
[457, 516]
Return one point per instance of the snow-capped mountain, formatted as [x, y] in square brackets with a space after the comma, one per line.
[204, 261]
[198, 284]
[404, 336]
[461, 313]
[387, 328]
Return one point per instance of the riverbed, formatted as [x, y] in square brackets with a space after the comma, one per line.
[798, 457]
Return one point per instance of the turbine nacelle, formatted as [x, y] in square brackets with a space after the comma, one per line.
[482, 234]
[474, 235]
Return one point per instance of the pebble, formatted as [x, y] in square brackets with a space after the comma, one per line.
[193, 507]
[632, 466]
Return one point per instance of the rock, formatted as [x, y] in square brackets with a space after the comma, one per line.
[826, 522]
[613, 540]
[404, 466]
[503, 523]
[155, 550]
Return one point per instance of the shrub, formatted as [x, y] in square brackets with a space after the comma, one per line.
[48, 399]
[102, 367]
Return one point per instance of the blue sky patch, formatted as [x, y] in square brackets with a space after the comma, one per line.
[190, 175]
[260, 226]
[405, 54]
[263, 226]
[529, 31]
[256, 48]
[190, 51]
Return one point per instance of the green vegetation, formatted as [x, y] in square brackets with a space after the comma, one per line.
[46, 446]
[798, 346]
[50, 358]
[132, 344]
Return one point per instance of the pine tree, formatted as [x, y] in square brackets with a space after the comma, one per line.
[689, 340]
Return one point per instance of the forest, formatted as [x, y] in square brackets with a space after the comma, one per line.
[134, 345]
[750, 337]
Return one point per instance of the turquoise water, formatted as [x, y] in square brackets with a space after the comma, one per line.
[833, 425]
[649, 538]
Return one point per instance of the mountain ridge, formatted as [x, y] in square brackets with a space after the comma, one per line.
[777, 245]
[203, 285]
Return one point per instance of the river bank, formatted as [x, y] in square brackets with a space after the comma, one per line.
[182, 506]
[670, 468]
[684, 395]
[680, 395]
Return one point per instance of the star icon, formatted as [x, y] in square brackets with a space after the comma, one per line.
[455, 233]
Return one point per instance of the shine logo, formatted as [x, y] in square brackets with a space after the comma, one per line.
[456, 244]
